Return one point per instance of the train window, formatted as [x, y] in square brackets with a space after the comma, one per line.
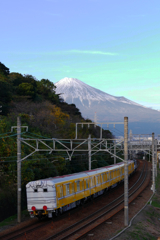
[108, 175]
[61, 191]
[82, 184]
[87, 183]
[35, 190]
[67, 189]
[105, 177]
[72, 187]
[111, 174]
[102, 177]
[92, 182]
[78, 186]
[96, 180]
[45, 190]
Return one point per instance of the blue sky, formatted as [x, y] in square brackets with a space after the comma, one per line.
[111, 45]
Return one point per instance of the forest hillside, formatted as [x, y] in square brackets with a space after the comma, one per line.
[47, 116]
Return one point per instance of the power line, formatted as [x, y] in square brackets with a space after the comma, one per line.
[8, 136]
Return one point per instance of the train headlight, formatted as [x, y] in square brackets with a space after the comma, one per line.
[45, 208]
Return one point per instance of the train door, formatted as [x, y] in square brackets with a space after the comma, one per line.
[103, 180]
[87, 186]
[60, 195]
[109, 178]
[82, 187]
[92, 185]
[120, 173]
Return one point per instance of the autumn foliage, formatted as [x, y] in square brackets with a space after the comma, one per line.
[47, 116]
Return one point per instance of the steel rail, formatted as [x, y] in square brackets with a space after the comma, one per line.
[82, 235]
[10, 237]
[98, 211]
[114, 207]
[5, 237]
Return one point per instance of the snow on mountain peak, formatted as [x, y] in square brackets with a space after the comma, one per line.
[72, 88]
[77, 89]
[69, 81]
[107, 107]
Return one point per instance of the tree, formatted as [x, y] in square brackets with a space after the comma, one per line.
[47, 89]
[16, 78]
[4, 70]
[26, 89]
[5, 92]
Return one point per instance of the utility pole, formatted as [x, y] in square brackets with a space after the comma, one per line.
[89, 152]
[114, 152]
[156, 157]
[19, 166]
[126, 171]
[153, 168]
[18, 169]
[95, 118]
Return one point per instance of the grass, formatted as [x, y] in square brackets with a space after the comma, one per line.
[156, 203]
[136, 235]
[150, 213]
[139, 231]
[9, 220]
[158, 178]
[149, 220]
[141, 235]
[119, 231]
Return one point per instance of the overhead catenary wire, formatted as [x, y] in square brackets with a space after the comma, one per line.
[5, 133]
[37, 135]
[12, 135]
[8, 136]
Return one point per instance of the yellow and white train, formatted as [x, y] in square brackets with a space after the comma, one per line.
[55, 195]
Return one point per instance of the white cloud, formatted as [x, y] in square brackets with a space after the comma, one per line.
[92, 52]
[66, 52]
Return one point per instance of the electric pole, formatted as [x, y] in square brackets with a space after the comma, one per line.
[126, 171]
[89, 151]
[115, 152]
[18, 169]
[153, 168]
[156, 157]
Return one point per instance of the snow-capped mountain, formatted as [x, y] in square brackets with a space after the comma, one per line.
[107, 107]
[72, 87]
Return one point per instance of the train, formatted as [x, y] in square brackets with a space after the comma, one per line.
[53, 196]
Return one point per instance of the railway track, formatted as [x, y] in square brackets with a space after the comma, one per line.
[87, 224]
[23, 231]
[83, 226]
[134, 192]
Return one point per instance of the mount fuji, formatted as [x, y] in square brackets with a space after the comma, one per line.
[107, 107]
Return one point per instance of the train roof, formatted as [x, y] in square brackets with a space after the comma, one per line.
[58, 179]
